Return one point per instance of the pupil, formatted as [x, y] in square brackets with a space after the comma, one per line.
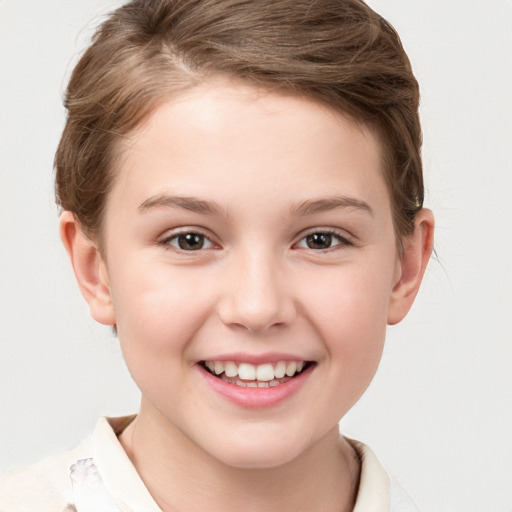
[319, 241]
[191, 241]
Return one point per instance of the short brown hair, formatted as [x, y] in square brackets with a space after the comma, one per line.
[337, 52]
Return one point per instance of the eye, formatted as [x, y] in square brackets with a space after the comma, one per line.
[189, 241]
[322, 240]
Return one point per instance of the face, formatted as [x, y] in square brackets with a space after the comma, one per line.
[250, 258]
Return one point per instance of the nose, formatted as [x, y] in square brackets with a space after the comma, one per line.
[256, 295]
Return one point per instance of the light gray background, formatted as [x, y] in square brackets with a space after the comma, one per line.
[439, 412]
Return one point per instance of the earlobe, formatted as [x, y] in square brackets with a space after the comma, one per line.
[89, 268]
[413, 262]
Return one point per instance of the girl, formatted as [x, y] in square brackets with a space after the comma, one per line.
[242, 201]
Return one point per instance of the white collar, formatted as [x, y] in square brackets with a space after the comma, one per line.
[125, 485]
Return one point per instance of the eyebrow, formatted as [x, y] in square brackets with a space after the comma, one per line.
[312, 206]
[192, 204]
[204, 207]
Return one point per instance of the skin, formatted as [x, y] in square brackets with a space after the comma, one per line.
[275, 168]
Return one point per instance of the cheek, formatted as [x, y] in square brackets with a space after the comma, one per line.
[157, 319]
[157, 314]
[348, 308]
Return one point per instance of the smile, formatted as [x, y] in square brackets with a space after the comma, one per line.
[255, 376]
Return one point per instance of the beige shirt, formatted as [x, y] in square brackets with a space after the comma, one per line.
[98, 476]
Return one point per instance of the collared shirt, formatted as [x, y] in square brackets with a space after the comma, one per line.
[98, 476]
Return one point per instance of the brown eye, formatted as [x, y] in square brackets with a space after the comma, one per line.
[189, 241]
[323, 240]
[319, 241]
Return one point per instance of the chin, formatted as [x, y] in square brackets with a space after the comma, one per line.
[257, 459]
[258, 452]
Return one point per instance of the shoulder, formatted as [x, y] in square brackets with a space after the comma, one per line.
[43, 486]
[95, 476]
[377, 491]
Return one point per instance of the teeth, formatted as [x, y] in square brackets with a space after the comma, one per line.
[265, 372]
[230, 369]
[262, 375]
[247, 371]
[253, 383]
[290, 368]
[280, 370]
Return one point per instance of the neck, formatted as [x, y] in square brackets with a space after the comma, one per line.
[181, 476]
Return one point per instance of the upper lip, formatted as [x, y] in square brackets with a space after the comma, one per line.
[256, 359]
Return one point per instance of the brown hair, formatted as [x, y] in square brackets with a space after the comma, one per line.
[338, 52]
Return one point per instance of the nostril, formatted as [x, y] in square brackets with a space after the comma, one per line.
[257, 319]
[256, 296]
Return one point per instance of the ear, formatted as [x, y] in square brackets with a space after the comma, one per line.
[89, 267]
[411, 266]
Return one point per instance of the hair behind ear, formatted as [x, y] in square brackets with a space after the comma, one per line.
[418, 247]
[89, 267]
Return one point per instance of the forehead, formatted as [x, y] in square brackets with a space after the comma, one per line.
[242, 137]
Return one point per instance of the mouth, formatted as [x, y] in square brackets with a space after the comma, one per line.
[248, 375]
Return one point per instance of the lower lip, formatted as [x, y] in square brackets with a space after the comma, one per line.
[256, 398]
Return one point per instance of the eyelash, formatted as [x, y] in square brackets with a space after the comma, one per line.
[167, 241]
[331, 233]
[342, 240]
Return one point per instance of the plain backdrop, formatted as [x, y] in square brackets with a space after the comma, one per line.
[439, 411]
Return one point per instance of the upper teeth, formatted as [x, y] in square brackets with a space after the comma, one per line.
[263, 372]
